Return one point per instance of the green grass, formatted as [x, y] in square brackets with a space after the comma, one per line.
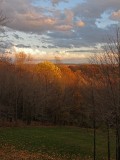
[68, 141]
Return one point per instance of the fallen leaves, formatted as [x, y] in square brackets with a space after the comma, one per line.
[8, 152]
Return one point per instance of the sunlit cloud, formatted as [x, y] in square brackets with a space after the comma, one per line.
[116, 15]
[64, 27]
[80, 24]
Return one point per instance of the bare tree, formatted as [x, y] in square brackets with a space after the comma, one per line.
[109, 63]
[112, 58]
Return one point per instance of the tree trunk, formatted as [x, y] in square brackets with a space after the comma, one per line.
[108, 137]
[94, 123]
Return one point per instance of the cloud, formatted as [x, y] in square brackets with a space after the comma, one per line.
[28, 18]
[25, 17]
[64, 27]
[22, 46]
[116, 15]
[55, 2]
[69, 16]
[17, 36]
[32, 22]
[93, 9]
[82, 51]
[80, 24]
[5, 45]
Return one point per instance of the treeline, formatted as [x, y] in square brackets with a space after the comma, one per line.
[56, 94]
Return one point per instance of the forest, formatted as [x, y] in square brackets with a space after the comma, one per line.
[56, 93]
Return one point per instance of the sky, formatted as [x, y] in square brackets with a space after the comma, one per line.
[70, 30]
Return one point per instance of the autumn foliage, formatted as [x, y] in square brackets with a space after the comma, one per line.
[49, 93]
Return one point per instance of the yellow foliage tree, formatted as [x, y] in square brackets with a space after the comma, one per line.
[48, 71]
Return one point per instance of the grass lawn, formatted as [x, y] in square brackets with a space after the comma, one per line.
[66, 142]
